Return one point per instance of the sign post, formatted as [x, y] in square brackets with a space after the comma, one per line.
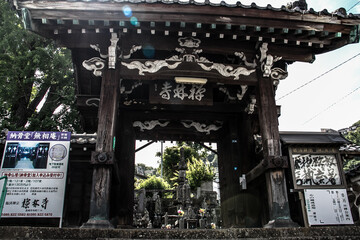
[316, 172]
[35, 164]
[3, 181]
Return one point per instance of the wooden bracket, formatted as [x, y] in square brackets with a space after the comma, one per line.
[102, 158]
[268, 163]
[256, 171]
[277, 162]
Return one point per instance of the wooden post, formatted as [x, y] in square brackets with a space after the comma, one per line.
[230, 161]
[279, 211]
[125, 150]
[103, 157]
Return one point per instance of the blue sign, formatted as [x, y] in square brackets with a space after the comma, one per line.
[38, 136]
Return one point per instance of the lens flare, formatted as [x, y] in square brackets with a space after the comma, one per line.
[134, 21]
[127, 11]
[148, 51]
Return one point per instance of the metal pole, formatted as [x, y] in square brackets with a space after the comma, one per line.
[3, 193]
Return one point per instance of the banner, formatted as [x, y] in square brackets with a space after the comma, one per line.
[35, 164]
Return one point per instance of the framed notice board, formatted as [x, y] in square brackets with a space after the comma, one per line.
[316, 168]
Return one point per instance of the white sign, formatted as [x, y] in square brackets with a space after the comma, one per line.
[316, 169]
[36, 166]
[327, 207]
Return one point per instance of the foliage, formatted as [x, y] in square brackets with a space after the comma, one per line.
[153, 183]
[194, 153]
[354, 136]
[199, 172]
[171, 159]
[351, 163]
[34, 69]
[200, 150]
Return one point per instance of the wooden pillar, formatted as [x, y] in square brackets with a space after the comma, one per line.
[103, 157]
[125, 150]
[229, 155]
[279, 211]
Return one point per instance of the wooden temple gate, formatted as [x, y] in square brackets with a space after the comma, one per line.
[205, 72]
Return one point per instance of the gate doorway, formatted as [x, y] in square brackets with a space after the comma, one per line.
[178, 192]
[232, 133]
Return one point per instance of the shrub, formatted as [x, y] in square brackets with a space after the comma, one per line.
[153, 183]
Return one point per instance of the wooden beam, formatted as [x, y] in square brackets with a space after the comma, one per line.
[186, 69]
[142, 147]
[208, 148]
[256, 171]
[263, 22]
[208, 45]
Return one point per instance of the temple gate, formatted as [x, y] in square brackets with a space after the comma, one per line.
[189, 71]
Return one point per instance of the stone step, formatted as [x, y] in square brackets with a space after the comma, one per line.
[335, 232]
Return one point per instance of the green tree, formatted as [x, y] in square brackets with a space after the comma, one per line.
[34, 70]
[199, 172]
[351, 162]
[193, 152]
[171, 159]
[200, 150]
[353, 136]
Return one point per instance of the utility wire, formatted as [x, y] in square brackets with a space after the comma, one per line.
[353, 6]
[312, 80]
[332, 105]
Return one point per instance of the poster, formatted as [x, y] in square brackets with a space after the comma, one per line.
[327, 207]
[35, 164]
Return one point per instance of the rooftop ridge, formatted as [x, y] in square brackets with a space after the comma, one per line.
[341, 12]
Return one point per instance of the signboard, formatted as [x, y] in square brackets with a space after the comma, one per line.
[315, 170]
[327, 207]
[170, 92]
[35, 164]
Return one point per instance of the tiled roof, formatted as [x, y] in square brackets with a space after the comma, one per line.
[313, 138]
[350, 148]
[338, 13]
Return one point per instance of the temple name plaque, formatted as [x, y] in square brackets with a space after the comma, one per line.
[169, 92]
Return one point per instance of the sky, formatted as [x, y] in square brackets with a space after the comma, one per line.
[330, 101]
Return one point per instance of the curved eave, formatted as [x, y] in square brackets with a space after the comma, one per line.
[296, 30]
